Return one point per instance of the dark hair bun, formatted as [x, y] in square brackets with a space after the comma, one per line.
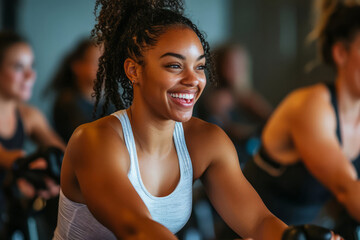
[335, 20]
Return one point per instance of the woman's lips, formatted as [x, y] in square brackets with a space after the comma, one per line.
[183, 99]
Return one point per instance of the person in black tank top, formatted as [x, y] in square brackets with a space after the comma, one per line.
[310, 146]
[14, 142]
[18, 139]
[17, 122]
[291, 192]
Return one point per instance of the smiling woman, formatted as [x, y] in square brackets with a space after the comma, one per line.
[129, 175]
[173, 77]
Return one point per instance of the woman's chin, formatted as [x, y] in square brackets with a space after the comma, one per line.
[184, 117]
[24, 98]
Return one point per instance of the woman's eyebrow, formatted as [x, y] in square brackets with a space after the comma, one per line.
[173, 55]
[201, 57]
[180, 56]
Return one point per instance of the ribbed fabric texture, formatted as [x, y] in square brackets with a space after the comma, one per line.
[173, 211]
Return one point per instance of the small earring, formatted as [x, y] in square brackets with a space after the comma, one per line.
[132, 82]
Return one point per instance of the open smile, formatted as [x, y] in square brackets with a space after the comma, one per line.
[183, 99]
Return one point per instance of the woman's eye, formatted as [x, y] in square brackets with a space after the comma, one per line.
[201, 67]
[18, 67]
[173, 66]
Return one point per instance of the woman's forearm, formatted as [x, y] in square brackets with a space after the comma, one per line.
[349, 196]
[270, 227]
[7, 158]
[142, 229]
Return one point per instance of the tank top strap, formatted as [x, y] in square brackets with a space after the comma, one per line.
[21, 129]
[178, 137]
[174, 209]
[181, 148]
[18, 139]
[128, 137]
[332, 90]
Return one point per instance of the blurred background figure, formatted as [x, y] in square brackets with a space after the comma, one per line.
[310, 147]
[18, 122]
[73, 86]
[234, 104]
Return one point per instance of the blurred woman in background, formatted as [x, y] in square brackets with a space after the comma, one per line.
[19, 121]
[73, 85]
[310, 150]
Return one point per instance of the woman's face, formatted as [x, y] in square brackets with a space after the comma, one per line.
[173, 77]
[86, 68]
[17, 75]
[234, 67]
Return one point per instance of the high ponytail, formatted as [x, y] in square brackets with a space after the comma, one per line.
[116, 13]
[126, 28]
[336, 20]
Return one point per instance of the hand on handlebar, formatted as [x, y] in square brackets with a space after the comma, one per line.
[38, 174]
[51, 189]
[309, 232]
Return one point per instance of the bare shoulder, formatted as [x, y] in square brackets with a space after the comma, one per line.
[94, 148]
[98, 132]
[29, 112]
[99, 139]
[31, 117]
[307, 97]
[306, 102]
[106, 126]
[206, 143]
[197, 130]
[310, 110]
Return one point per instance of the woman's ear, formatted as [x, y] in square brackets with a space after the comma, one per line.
[132, 70]
[339, 53]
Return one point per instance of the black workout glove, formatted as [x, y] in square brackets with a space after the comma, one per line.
[53, 157]
[307, 232]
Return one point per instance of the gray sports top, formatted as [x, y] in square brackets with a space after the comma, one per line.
[76, 222]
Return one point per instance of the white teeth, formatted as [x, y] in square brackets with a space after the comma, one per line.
[182, 95]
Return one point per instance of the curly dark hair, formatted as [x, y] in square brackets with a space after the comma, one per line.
[127, 28]
[338, 20]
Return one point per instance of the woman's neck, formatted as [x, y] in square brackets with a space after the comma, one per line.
[348, 101]
[7, 107]
[7, 117]
[152, 135]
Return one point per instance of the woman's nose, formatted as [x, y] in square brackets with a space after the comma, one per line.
[192, 78]
[30, 74]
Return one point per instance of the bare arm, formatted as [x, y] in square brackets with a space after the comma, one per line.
[7, 157]
[98, 156]
[313, 132]
[234, 198]
[37, 127]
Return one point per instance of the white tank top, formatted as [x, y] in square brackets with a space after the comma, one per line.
[173, 211]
